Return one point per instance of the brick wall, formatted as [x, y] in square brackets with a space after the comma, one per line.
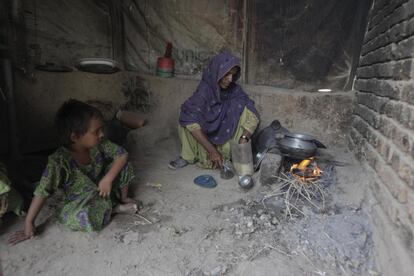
[382, 132]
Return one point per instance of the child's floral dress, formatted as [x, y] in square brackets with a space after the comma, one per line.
[83, 209]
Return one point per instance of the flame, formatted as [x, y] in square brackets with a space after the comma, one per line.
[307, 170]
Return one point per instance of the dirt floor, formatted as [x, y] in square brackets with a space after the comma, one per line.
[189, 230]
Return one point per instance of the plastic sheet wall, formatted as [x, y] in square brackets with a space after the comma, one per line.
[197, 29]
[63, 31]
[292, 44]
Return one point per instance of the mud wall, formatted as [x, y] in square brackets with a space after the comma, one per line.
[323, 115]
[382, 132]
[38, 98]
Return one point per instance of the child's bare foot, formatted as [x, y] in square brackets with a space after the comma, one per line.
[130, 200]
[126, 208]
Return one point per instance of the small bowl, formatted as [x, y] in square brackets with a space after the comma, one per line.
[246, 181]
[227, 171]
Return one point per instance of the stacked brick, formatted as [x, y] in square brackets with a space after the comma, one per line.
[382, 130]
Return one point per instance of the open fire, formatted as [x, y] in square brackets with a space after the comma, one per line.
[303, 182]
[306, 171]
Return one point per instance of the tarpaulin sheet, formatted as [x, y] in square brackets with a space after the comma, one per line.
[197, 29]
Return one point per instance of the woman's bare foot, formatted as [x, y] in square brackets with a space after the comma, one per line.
[126, 208]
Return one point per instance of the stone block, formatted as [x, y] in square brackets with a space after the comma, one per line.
[270, 168]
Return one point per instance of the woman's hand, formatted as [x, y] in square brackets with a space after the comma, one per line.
[212, 151]
[105, 187]
[27, 233]
[216, 158]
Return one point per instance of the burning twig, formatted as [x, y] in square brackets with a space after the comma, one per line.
[303, 183]
[295, 190]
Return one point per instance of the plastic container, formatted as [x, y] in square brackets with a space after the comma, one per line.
[242, 157]
[165, 67]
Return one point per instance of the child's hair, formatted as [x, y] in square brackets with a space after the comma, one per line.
[74, 117]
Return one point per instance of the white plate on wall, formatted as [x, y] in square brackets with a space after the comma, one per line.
[98, 65]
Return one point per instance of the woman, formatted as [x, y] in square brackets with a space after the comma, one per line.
[219, 111]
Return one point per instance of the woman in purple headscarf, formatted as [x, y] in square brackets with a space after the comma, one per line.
[217, 112]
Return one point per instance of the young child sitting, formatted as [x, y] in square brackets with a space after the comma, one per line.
[93, 173]
[10, 199]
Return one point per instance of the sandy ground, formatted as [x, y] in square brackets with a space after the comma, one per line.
[191, 232]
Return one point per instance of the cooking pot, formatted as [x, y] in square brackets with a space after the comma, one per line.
[299, 145]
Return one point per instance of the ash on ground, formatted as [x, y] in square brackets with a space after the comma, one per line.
[336, 240]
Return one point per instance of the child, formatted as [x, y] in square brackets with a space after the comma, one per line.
[10, 199]
[93, 173]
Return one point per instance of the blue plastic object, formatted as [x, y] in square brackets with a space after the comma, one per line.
[206, 181]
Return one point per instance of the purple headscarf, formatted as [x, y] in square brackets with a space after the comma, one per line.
[217, 111]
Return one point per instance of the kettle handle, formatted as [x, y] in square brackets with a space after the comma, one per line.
[319, 144]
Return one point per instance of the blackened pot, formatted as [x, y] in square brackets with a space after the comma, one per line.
[298, 145]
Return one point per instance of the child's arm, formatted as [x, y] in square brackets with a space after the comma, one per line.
[130, 119]
[29, 228]
[105, 185]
